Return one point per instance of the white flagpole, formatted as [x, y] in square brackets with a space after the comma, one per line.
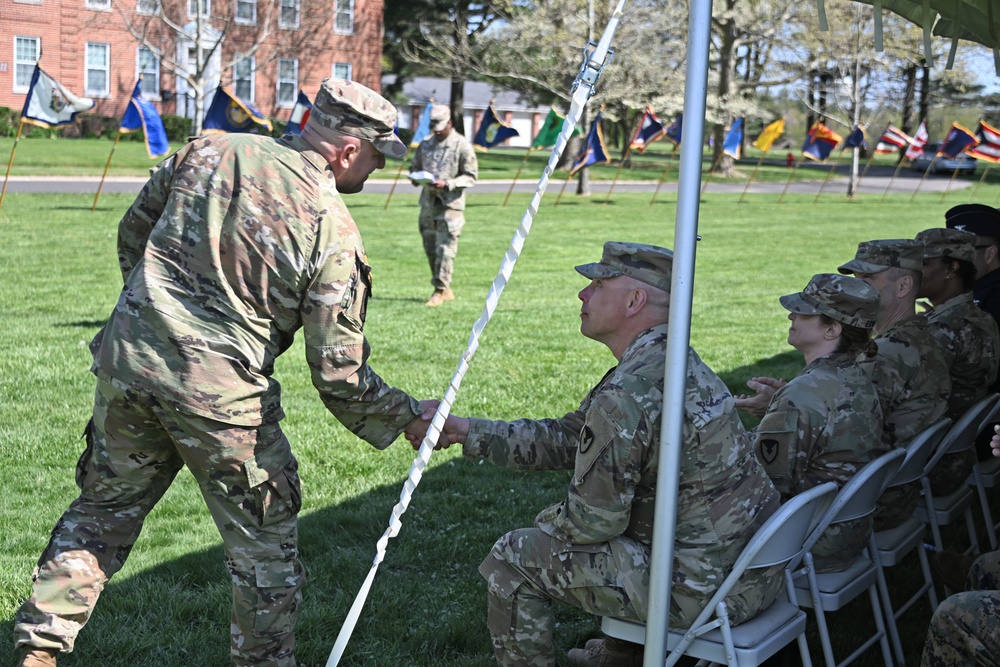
[583, 88]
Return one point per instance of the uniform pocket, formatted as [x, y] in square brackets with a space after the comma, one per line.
[278, 597]
[355, 304]
[777, 441]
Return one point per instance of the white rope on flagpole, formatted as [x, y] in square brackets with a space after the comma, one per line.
[583, 88]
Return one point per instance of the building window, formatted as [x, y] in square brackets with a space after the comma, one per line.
[151, 7]
[25, 57]
[246, 12]
[203, 6]
[98, 4]
[288, 78]
[148, 66]
[343, 16]
[98, 63]
[342, 71]
[288, 17]
[243, 79]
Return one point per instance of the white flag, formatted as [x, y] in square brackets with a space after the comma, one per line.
[916, 149]
[49, 103]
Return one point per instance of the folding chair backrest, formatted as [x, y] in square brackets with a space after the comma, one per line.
[858, 496]
[918, 451]
[992, 417]
[962, 434]
[784, 533]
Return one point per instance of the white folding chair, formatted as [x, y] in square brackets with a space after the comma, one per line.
[938, 511]
[711, 637]
[830, 591]
[895, 543]
[986, 475]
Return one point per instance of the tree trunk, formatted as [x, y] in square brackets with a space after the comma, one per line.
[722, 164]
[910, 75]
[458, 103]
[925, 92]
[583, 176]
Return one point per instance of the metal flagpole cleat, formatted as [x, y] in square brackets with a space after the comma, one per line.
[590, 72]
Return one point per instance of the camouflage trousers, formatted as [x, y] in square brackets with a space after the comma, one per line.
[896, 505]
[964, 628]
[440, 228]
[840, 543]
[135, 447]
[951, 472]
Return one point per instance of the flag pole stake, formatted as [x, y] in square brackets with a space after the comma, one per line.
[980, 182]
[621, 165]
[790, 177]
[930, 168]
[516, 176]
[708, 179]
[100, 185]
[826, 180]
[948, 184]
[752, 175]
[663, 176]
[871, 156]
[399, 171]
[10, 162]
[563, 189]
[899, 165]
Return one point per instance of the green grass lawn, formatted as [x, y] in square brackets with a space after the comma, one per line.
[170, 604]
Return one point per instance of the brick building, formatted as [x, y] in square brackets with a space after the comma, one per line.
[264, 51]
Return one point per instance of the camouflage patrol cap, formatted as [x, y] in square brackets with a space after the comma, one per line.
[347, 107]
[647, 263]
[440, 115]
[948, 243]
[980, 219]
[844, 298]
[878, 256]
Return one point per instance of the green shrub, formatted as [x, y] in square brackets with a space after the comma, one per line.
[278, 127]
[8, 122]
[178, 128]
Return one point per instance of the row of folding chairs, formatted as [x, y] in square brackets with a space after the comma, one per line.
[787, 537]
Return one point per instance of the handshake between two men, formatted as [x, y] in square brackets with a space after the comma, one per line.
[456, 429]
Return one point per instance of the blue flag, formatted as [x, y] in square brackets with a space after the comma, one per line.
[229, 113]
[423, 127]
[820, 142]
[300, 114]
[492, 131]
[650, 129]
[856, 139]
[594, 152]
[141, 116]
[674, 130]
[732, 145]
[957, 142]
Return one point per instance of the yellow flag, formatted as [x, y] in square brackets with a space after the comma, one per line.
[770, 134]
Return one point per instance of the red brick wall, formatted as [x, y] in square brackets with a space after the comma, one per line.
[65, 26]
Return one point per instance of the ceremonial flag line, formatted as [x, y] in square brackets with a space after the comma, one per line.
[228, 113]
[492, 131]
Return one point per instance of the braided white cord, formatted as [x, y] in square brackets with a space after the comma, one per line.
[580, 96]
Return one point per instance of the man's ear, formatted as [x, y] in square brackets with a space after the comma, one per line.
[636, 300]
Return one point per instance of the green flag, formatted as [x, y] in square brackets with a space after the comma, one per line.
[549, 133]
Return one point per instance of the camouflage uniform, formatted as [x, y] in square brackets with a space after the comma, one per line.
[442, 211]
[909, 371]
[971, 344]
[592, 550]
[826, 423]
[963, 631]
[236, 242]
[911, 378]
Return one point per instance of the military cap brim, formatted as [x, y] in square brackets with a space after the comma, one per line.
[857, 266]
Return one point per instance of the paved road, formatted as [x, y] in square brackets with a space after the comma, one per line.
[875, 182]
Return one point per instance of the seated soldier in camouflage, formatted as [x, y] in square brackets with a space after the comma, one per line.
[967, 335]
[909, 371]
[826, 423]
[592, 550]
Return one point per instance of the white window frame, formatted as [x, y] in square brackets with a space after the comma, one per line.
[287, 104]
[205, 6]
[88, 67]
[236, 12]
[350, 71]
[251, 75]
[297, 5]
[98, 5]
[143, 7]
[338, 9]
[30, 65]
[147, 73]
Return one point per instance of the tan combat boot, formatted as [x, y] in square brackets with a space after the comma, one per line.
[607, 652]
[440, 296]
[37, 657]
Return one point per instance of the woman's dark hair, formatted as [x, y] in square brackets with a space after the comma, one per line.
[967, 272]
[853, 339]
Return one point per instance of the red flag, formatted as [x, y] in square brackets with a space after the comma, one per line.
[892, 140]
[916, 148]
[989, 144]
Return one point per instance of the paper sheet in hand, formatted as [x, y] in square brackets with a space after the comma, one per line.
[421, 177]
